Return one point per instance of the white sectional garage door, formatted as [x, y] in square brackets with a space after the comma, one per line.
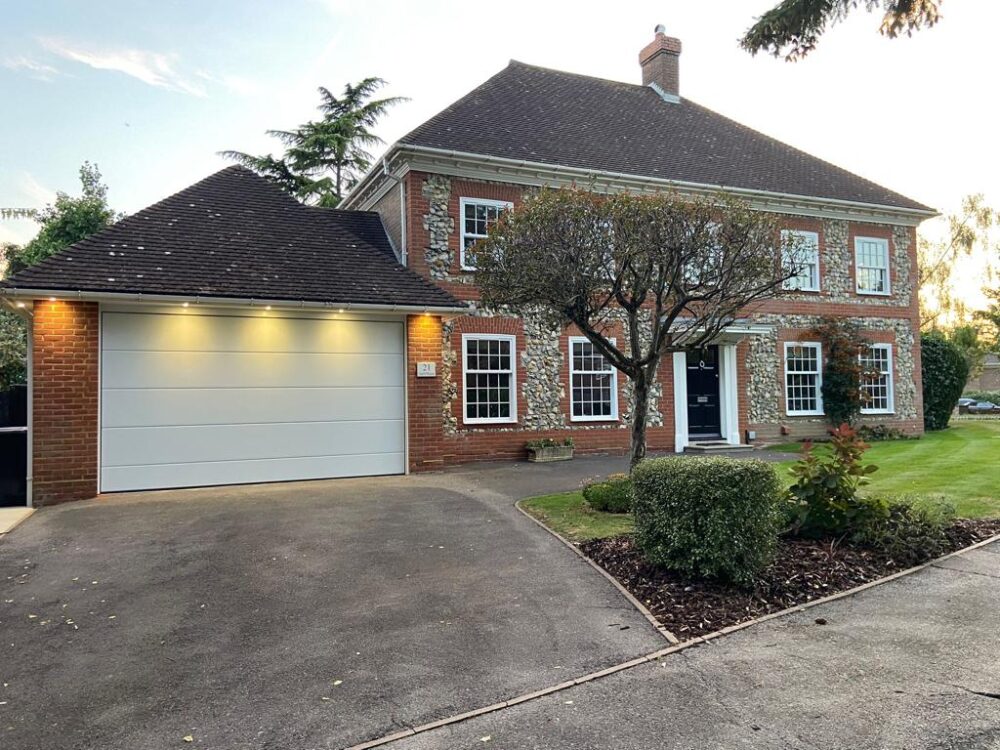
[193, 399]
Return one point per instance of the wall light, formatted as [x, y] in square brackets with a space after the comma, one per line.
[185, 304]
[268, 307]
[340, 310]
[52, 299]
[20, 304]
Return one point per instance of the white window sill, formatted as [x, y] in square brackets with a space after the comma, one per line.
[874, 294]
[468, 268]
[612, 418]
[489, 421]
[805, 414]
[868, 412]
[811, 290]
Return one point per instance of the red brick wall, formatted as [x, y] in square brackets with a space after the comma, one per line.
[65, 385]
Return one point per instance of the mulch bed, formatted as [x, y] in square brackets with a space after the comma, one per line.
[803, 570]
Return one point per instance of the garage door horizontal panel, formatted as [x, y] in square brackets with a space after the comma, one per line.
[132, 446]
[116, 479]
[248, 370]
[265, 333]
[196, 406]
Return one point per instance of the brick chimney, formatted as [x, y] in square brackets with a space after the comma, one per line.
[660, 64]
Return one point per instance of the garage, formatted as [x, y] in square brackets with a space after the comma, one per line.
[192, 397]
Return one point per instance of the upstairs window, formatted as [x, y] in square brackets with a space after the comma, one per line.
[477, 215]
[871, 265]
[876, 380]
[803, 379]
[490, 382]
[593, 383]
[802, 258]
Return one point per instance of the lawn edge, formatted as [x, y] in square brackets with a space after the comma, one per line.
[657, 625]
[655, 655]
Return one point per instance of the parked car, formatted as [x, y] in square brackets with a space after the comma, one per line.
[966, 402]
[984, 407]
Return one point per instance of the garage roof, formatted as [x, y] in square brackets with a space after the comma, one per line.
[236, 235]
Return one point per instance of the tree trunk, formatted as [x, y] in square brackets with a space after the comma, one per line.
[640, 392]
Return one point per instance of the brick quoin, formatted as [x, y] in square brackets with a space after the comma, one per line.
[65, 398]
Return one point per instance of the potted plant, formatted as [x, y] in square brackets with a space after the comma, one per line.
[547, 449]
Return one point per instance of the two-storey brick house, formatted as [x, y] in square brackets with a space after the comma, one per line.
[440, 186]
[229, 334]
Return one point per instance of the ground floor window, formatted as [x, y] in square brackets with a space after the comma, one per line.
[490, 390]
[803, 379]
[593, 383]
[876, 380]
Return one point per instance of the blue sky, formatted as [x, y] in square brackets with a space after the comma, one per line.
[152, 90]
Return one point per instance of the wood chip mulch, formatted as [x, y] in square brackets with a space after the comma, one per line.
[803, 570]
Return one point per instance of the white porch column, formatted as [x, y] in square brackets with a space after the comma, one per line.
[680, 402]
[729, 411]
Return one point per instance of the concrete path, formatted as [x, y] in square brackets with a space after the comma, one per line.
[914, 663]
[307, 615]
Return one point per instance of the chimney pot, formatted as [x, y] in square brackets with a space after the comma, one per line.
[660, 61]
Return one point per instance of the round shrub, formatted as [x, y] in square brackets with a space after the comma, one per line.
[613, 495]
[708, 517]
[944, 372]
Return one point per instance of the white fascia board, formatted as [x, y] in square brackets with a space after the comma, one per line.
[406, 157]
[283, 304]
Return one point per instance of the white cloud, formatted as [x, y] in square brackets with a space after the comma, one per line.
[153, 68]
[237, 84]
[35, 69]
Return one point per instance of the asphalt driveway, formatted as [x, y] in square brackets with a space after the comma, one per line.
[912, 664]
[309, 615]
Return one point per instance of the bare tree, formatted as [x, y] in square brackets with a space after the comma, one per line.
[673, 272]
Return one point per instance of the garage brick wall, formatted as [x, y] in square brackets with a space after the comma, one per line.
[65, 399]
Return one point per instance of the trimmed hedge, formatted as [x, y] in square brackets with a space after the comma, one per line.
[613, 495]
[944, 372]
[707, 517]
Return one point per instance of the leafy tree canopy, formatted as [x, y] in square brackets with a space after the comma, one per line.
[971, 232]
[324, 158]
[667, 273]
[69, 219]
[792, 28]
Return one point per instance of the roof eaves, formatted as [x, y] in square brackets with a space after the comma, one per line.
[546, 173]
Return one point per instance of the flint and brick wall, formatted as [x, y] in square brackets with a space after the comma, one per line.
[65, 398]
[433, 236]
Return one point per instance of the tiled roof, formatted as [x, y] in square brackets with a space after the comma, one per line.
[540, 115]
[236, 235]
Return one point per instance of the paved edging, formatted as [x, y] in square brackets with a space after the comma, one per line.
[656, 655]
[614, 581]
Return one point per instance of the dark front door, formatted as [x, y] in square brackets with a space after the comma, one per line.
[703, 392]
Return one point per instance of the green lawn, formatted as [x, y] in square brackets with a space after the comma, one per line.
[569, 516]
[962, 462]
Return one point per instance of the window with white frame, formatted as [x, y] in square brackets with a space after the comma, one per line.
[803, 378]
[871, 265]
[477, 216]
[876, 380]
[593, 383]
[490, 382]
[801, 256]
